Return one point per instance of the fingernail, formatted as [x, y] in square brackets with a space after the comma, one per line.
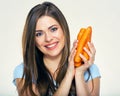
[88, 43]
[84, 48]
[80, 54]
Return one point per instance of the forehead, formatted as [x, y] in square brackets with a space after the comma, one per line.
[45, 22]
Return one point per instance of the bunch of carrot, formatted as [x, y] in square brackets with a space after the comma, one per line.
[84, 36]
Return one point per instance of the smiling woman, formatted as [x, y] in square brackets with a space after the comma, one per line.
[48, 65]
[51, 38]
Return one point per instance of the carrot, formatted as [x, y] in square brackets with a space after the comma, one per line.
[86, 45]
[82, 30]
[77, 57]
[83, 37]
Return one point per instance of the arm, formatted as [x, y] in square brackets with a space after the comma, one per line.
[90, 88]
[65, 85]
[19, 82]
[81, 86]
[85, 88]
[63, 89]
[96, 90]
[19, 85]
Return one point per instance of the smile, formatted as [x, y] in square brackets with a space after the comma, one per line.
[51, 46]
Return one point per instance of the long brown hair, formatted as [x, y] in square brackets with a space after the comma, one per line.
[34, 68]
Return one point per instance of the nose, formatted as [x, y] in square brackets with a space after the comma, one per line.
[48, 37]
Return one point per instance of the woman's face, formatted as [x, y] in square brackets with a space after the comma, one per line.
[49, 36]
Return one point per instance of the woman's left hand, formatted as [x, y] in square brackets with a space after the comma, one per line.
[87, 63]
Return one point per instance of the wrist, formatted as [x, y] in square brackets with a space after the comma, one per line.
[79, 75]
[69, 74]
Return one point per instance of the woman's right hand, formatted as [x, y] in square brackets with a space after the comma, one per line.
[67, 80]
[71, 67]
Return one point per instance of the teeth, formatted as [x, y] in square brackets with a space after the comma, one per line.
[52, 45]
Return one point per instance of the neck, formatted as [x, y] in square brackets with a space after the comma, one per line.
[52, 63]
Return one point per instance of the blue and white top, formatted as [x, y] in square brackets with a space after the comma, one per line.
[18, 72]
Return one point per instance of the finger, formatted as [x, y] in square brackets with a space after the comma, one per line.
[86, 62]
[73, 51]
[75, 41]
[74, 45]
[87, 51]
[92, 47]
[73, 55]
[83, 58]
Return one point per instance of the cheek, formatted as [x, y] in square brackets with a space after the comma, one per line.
[38, 42]
[62, 38]
[60, 34]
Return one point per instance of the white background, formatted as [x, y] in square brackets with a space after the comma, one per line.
[102, 15]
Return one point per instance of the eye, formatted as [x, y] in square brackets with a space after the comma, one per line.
[39, 34]
[53, 29]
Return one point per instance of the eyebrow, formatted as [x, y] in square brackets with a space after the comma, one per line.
[48, 28]
[52, 26]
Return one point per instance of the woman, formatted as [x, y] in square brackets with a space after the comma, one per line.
[48, 65]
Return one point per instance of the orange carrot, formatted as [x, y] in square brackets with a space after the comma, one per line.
[83, 37]
[86, 45]
[77, 57]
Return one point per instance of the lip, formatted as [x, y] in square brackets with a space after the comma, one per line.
[51, 46]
